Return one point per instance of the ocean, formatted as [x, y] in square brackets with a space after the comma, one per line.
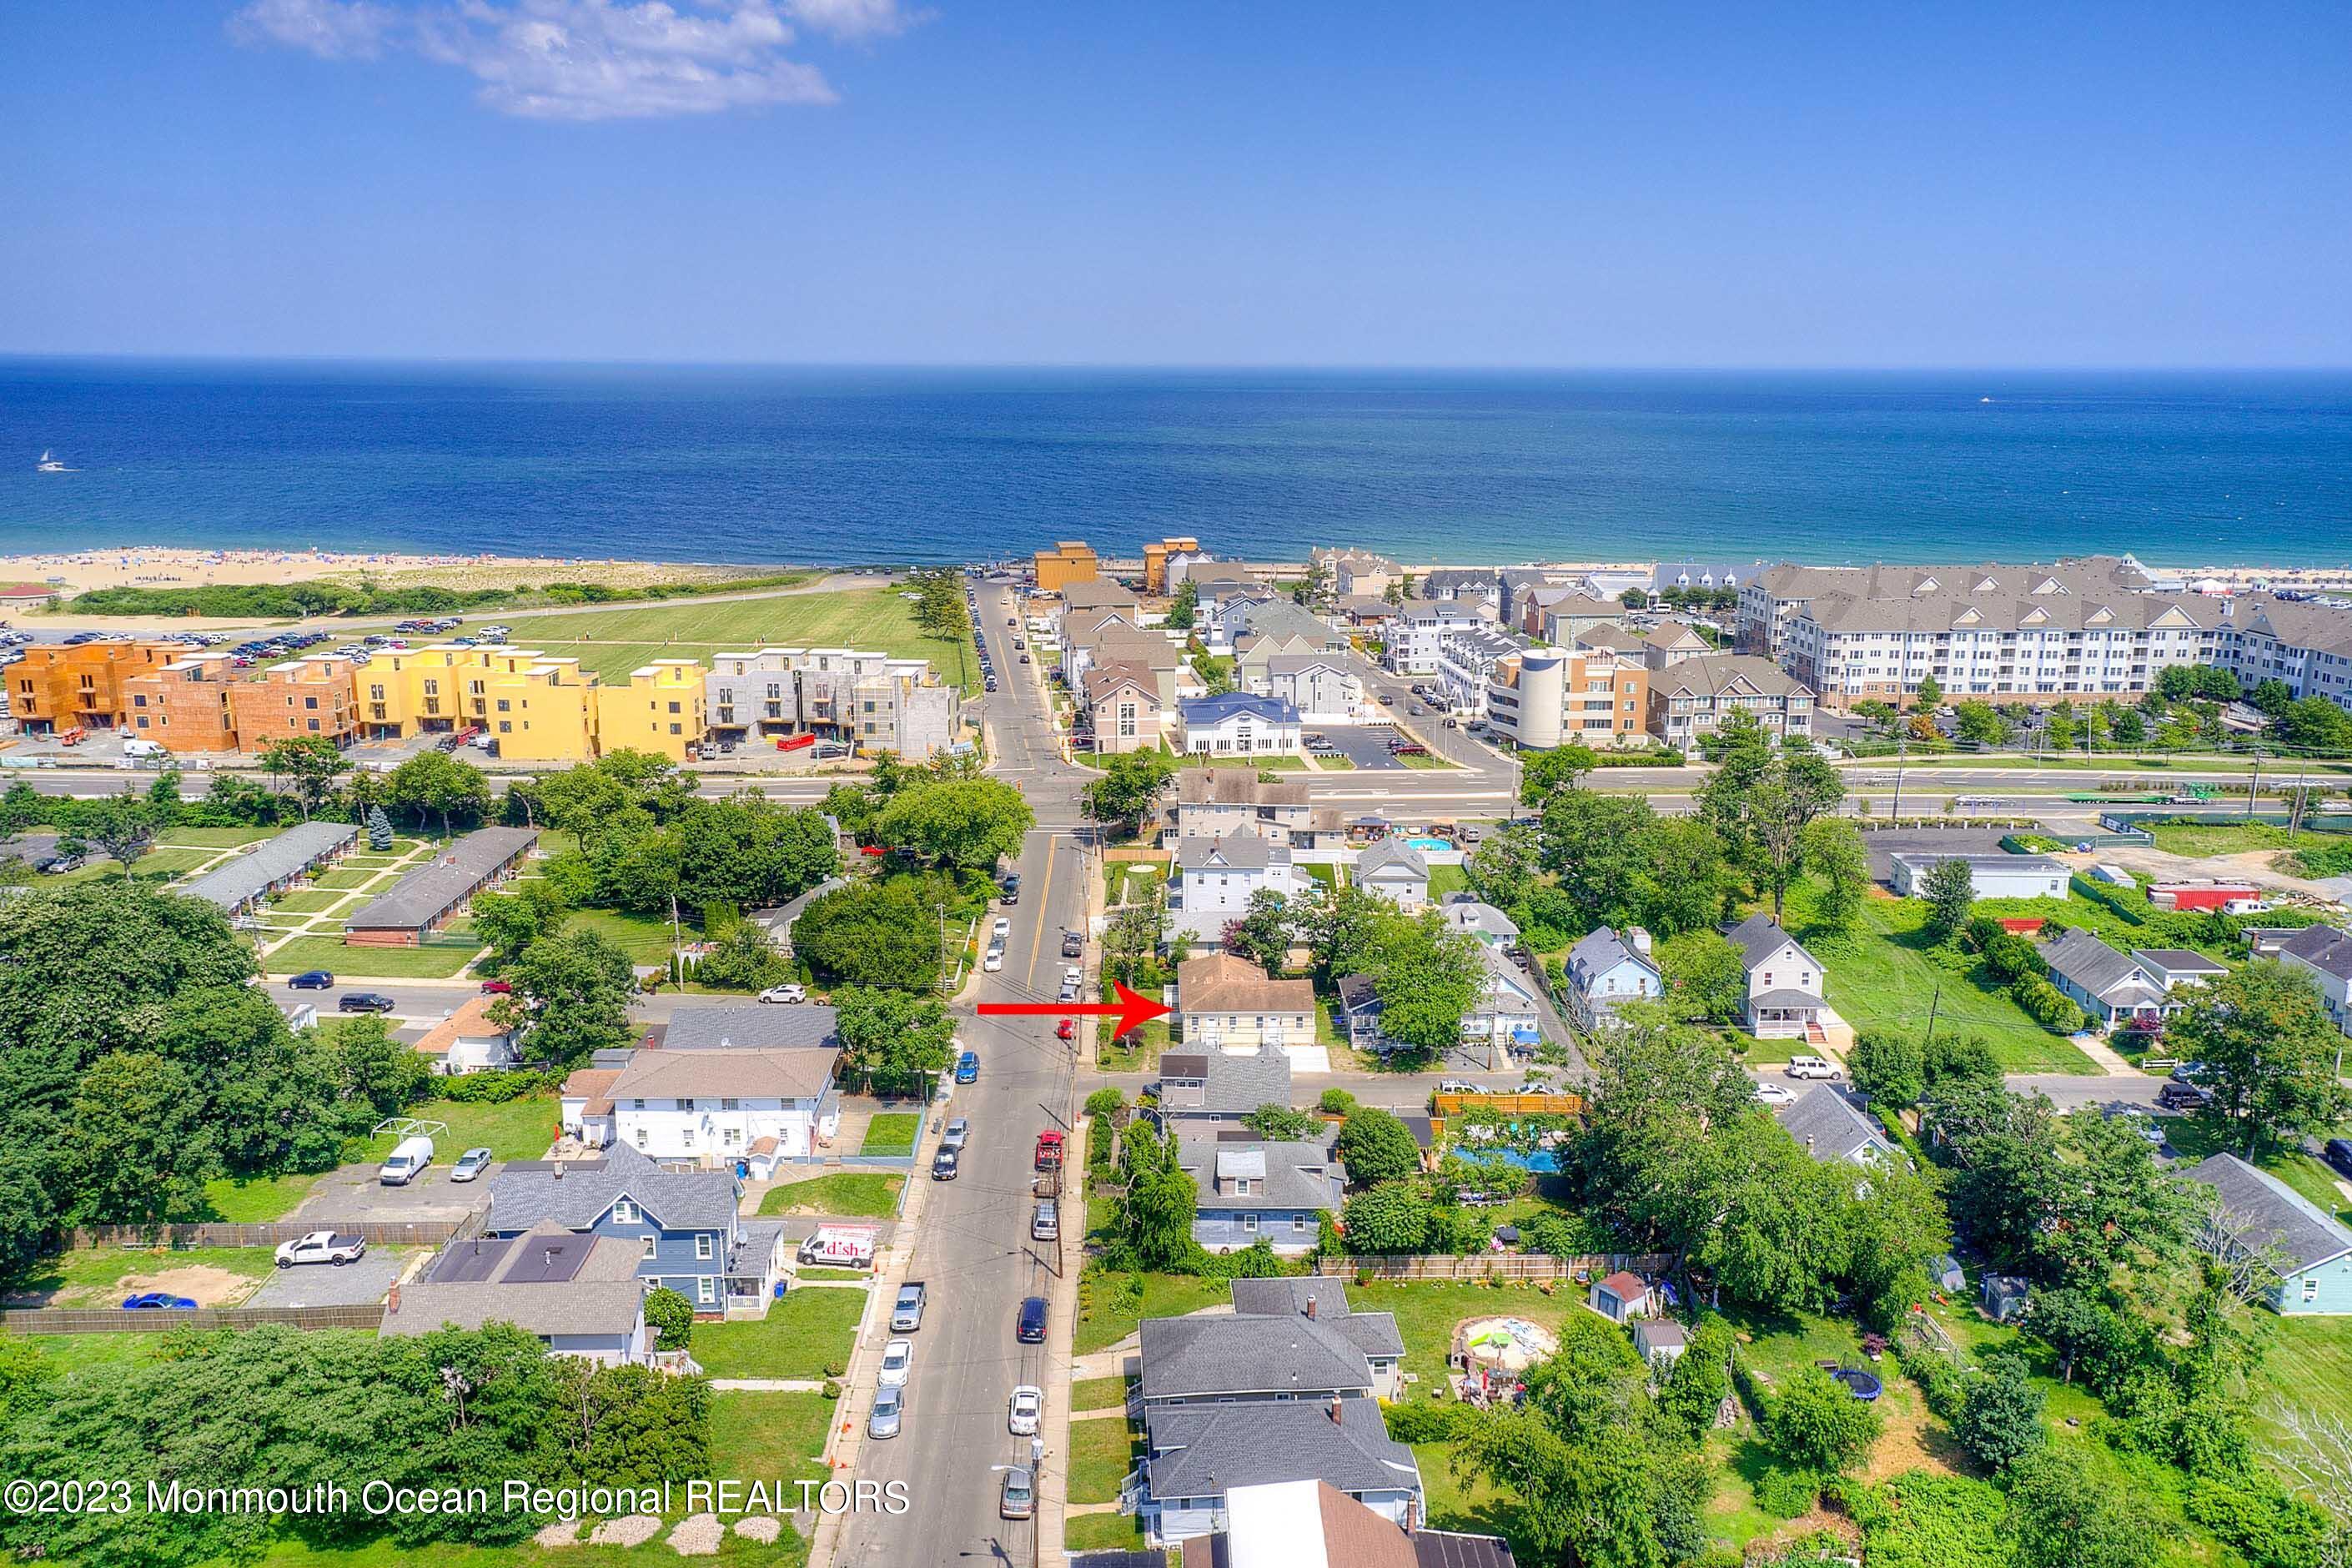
[836, 466]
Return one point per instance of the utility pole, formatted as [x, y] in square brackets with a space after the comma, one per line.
[1902, 753]
[1932, 1003]
[2256, 787]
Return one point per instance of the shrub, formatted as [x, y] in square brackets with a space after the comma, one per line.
[494, 1087]
[2047, 1004]
[1336, 1102]
[1425, 1421]
[1815, 1423]
[1999, 1418]
[1786, 1493]
[670, 1316]
[1103, 1103]
[2254, 1514]
[1938, 1380]
[1889, 1067]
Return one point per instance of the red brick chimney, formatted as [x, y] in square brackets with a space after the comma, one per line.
[1310, 1306]
[392, 1302]
[1336, 1409]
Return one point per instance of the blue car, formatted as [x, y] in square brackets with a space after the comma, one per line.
[968, 1068]
[154, 1299]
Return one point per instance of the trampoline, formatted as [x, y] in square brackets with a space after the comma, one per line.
[1862, 1385]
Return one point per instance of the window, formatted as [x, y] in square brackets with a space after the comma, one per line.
[686, 1139]
[702, 1247]
[625, 1212]
[311, 702]
[1298, 1222]
[1249, 1221]
[503, 707]
[651, 1243]
[686, 1105]
[636, 1105]
[728, 1103]
[706, 1289]
[2310, 1287]
[673, 707]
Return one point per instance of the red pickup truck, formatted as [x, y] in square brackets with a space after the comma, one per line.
[1049, 1151]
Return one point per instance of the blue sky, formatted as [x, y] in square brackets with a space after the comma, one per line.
[1161, 182]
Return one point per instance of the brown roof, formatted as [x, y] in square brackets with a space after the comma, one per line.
[593, 1085]
[1234, 786]
[1356, 1537]
[1221, 982]
[1623, 1286]
[470, 1021]
[785, 1074]
[1106, 679]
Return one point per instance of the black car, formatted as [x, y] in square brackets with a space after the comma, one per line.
[312, 980]
[943, 1165]
[2182, 1096]
[364, 1002]
[1031, 1329]
[1073, 944]
[2338, 1153]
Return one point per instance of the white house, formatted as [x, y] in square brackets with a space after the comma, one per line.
[1509, 1014]
[1224, 1002]
[2323, 956]
[1412, 644]
[1319, 684]
[1396, 872]
[1784, 986]
[756, 1106]
[1995, 875]
[1606, 969]
[1216, 877]
[1237, 725]
[467, 1041]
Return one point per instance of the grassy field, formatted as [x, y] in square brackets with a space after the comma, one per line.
[1881, 977]
[327, 953]
[807, 1334]
[1101, 1453]
[891, 1132]
[614, 642]
[93, 1276]
[217, 837]
[1446, 881]
[259, 1201]
[1097, 1393]
[789, 1551]
[307, 903]
[347, 878]
[517, 1130]
[645, 939]
[2309, 1365]
[769, 1437]
[1103, 1532]
[866, 1194]
[1164, 1295]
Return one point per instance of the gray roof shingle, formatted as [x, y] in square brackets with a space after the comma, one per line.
[1200, 1450]
[1827, 1125]
[527, 1192]
[1760, 936]
[1286, 1296]
[1196, 1357]
[1291, 1175]
[1232, 1085]
[2273, 1211]
[241, 877]
[759, 1027]
[2115, 978]
[432, 890]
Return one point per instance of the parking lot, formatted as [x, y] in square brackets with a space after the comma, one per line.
[1885, 847]
[351, 1194]
[359, 1283]
[1365, 745]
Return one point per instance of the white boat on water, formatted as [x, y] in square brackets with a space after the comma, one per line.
[49, 465]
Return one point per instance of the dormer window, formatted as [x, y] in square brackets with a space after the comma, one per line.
[625, 1212]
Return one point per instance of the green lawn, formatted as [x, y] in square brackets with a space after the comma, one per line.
[614, 642]
[867, 1193]
[1881, 977]
[517, 1130]
[807, 1334]
[1427, 1312]
[1097, 1393]
[1473, 1507]
[1103, 1532]
[156, 866]
[349, 878]
[328, 953]
[1323, 872]
[92, 1277]
[2198, 839]
[99, 1355]
[1101, 1454]
[1425, 760]
[735, 1551]
[770, 1437]
[1164, 1295]
[1445, 881]
[891, 1132]
[645, 939]
[2309, 1365]
[307, 903]
[217, 837]
[258, 1200]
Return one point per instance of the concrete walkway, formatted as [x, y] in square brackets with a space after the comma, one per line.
[2110, 1064]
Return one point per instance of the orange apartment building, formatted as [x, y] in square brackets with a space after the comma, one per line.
[1070, 560]
[301, 697]
[185, 705]
[58, 689]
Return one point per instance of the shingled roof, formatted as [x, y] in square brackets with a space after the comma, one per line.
[1224, 983]
[576, 1193]
[2272, 1212]
[1200, 1450]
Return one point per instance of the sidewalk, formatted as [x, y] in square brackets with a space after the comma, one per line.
[2110, 1064]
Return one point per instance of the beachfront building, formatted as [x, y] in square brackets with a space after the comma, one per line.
[662, 710]
[183, 705]
[55, 689]
[1156, 557]
[542, 709]
[299, 698]
[1541, 698]
[1070, 560]
[1691, 697]
[875, 701]
[1411, 643]
[1237, 725]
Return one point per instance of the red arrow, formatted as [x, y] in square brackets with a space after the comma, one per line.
[1131, 1010]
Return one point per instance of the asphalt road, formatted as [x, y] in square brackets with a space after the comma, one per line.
[972, 1246]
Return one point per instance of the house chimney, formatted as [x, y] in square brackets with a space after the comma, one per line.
[392, 1301]
[1310, 1308]
[1336, 1411]
[1413, 1513]
[1641, 940]
[559, 1169]
[1809, 1143]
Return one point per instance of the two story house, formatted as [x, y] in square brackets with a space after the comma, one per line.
[1396, 872]
[753, 1108]
[1213, 802]
[468, 1041]
[2323, 956]
[1216, 877]
[1785, 1000]
[1273, 1191]
[1224, 1002]
[1606, 969]
[1237, 725]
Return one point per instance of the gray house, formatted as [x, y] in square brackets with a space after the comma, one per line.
[1609, 968]
[1254, 1191]
[428, 897]
[1200, 1091]
[581, 1295]
[240, 882]
[2111, 986]
[1826, 1123]
[1463, 911]
[1194, 1454]
[1323, 1299]
[2313, 1248]
[682, 1225]
[1395, 870]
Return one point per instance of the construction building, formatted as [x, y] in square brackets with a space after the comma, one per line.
[55, 689]
[1070, 560]
[1155, 557]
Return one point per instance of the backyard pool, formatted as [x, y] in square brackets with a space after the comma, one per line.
[1543, 1162]
[1431, 846]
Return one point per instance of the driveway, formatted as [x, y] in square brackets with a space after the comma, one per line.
[360, 1283]
[350, 1194]
[1365, 745]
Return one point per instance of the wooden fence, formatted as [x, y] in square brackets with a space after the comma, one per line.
[173, 1237]
[115, 1321]
[1496, 1265]
[1511, 1104]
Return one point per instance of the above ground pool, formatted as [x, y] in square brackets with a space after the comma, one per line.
[1437, 845]
[1543, 1162]
[1866, 1384]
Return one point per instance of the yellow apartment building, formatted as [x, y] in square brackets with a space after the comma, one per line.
[661, 710]
[544, 710]
[1070, 560]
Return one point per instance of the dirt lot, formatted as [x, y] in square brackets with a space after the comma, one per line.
[201, 1283]
[2253, 865]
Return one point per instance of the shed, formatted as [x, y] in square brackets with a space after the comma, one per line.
[2004, 1297]
[1621, 1298]
[1661, 1340]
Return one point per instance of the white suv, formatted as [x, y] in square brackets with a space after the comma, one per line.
[1813, 1067]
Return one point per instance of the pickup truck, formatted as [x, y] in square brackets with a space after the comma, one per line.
[1049, 1151]
[321, 1247]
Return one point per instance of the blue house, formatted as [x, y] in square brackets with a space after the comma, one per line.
[2313, 1249]
[685, 1220]
[1250, 1192]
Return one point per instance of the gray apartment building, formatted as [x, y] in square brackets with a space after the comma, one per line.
[872, 700]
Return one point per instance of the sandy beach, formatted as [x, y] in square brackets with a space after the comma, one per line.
[153, 567]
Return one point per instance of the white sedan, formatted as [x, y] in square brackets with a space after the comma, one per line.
[784, 993]
[992, 960]
[1775, 1093]
[1028, 1403]
[897, 1364]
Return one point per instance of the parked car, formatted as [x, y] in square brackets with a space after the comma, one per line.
[403, 1163]
[364, 1002]
[1029, 1327]
[889, 1410]
[992, 960]
[1022, 1415]
[1018, 1496]
[2182, 1096]
[321, 1247]
[1068, 1029]
[1046, 1222]
[2337, 1152]
[312, 980]
[1775, 1093]
[473, 1162]
[1461, 1086]
[945, 1164]
[150, 1301]
[1073, 944]
[1813, 1067]
[897, 1364]
[497, 988]
[1003, 927]
[906, 1312]
[958, 1133]
[968, 1068]
[784, 993]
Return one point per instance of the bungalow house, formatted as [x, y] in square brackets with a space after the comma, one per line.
[683, 1225]
[579, 1294]
[2175, 967]
[1830, 1128]
[1212, 802]
[1194, 1454]
[2323, 955]
[467, 1041]
[1249, 1192]
[1211, 1088]
[752, 1109]
[434, 894]
[1784, 986]
[2108, 986]
[1122, 705]
[1224, 1002]
[1237, 725]
[1620, 1297]
[1216, 877]
[1463, 911]
[1396, 872]
[1994, 876]
[271, 867]
[1308, 1524]
[1606, 969]
[1252, 1357]
[2313, 1248]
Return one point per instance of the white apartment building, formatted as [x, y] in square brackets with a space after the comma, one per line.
[1539, 698]
[754, 1106]
[1411, 645]
[875, 702]
[2305, 644]
[1215, 878]
[1467, 657]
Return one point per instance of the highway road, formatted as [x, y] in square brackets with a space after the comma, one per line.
[972, 1243]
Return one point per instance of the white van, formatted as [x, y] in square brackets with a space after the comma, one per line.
[412, 1155]
[139, 746]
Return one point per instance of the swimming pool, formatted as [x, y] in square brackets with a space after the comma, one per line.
[1438, 845]
[1542, 1162]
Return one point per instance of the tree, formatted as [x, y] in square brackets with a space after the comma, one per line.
[1951, 892]
[432, 785]
[891, 1041]
[2129, 727]
[670, 1316]
[1341, 925]
[1184, 606]
[1701, 1379]
[1999, 1418]
[1262, 935]
[379, 830]
[1930, 692]
[1682, 888]
[2272, 695]
[136, 1143]
[1815, 1423]
[1281, 1124]
[509, 923]
[873, 933]
[1376, 1147]
[1707, 980]
[970, 823]
[310, 763]
[1154, 1218]
[1502, 870]
[1597, 845]
[2314, 723]
[1129, 789]
[1388, 1218]
[122, 825]
[1889, 1067]
[2077, 1324]
[2067, 1511]
[1831, 849]
[1879, 715]
[1427, 977]
[1979, 723]
[744, 958]
[2270, 1051]
[572, 996]
[1543, 775]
